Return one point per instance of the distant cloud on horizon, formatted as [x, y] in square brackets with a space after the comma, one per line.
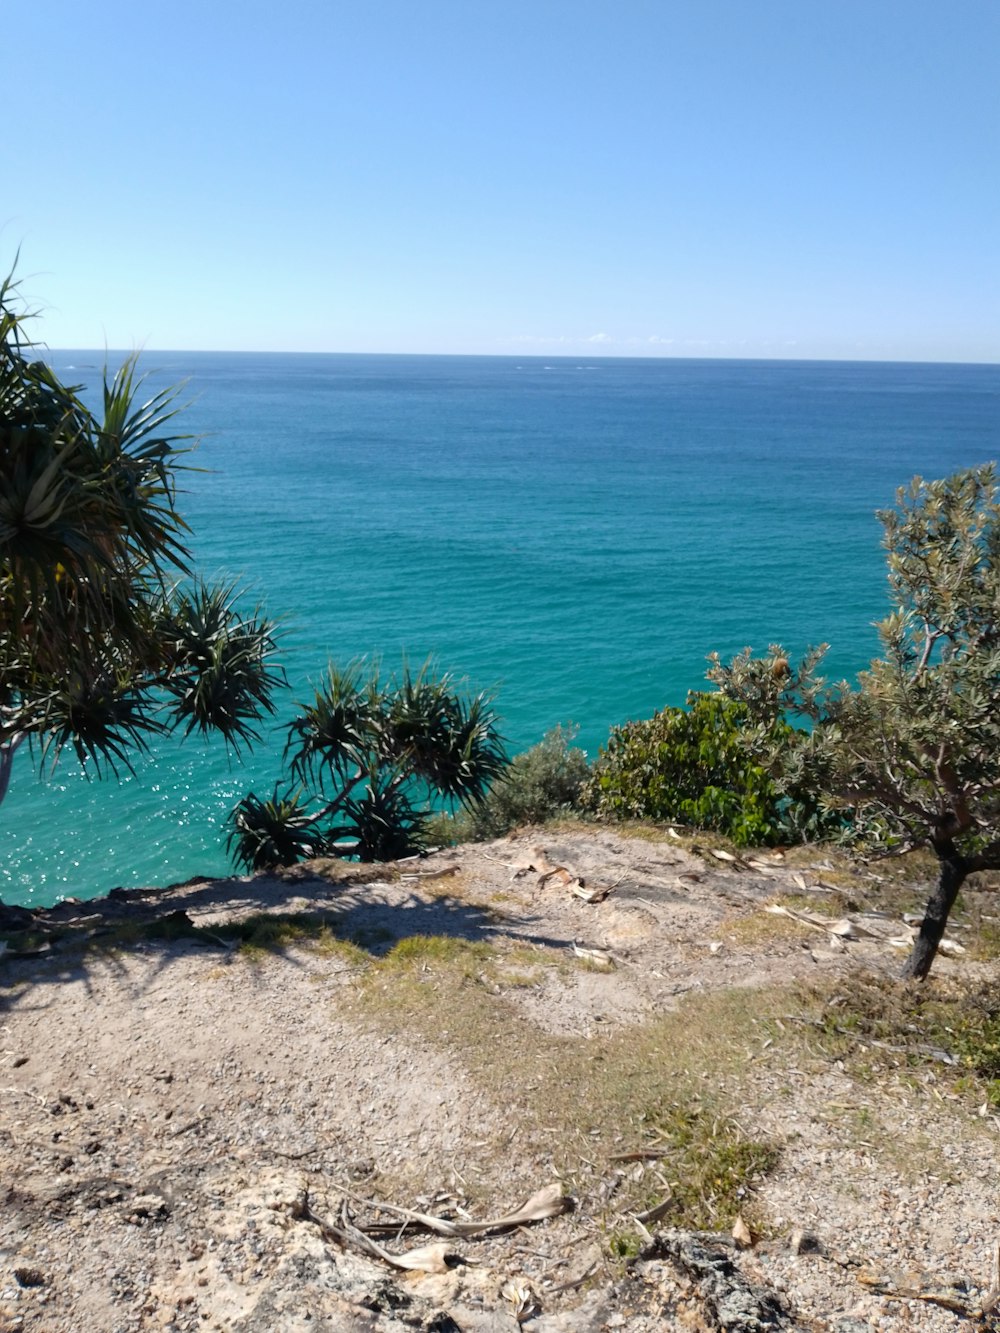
[607, 340]
[549, 340]
[656, 343]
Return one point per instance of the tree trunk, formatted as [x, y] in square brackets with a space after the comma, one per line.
[7, 751]
[954, 868]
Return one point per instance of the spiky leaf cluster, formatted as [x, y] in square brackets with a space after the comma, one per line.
[99, 647]
[376, 753]
[276, 831]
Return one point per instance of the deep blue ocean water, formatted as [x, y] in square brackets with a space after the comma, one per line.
[577, 535]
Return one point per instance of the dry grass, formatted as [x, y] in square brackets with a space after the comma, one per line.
[763, 927]
[950, 1026]
[664, 1112]
[659, 1093]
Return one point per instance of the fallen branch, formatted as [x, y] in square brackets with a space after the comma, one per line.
[545, 1203]
[573, 1283]
[658, 1211]
[598, 957]
[430, 874]
[426, 1259]
[191, 1124]
[905, 1291]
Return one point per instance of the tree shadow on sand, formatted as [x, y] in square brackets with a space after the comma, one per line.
[369, 908]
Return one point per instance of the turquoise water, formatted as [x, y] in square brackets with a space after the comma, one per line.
[578, 535]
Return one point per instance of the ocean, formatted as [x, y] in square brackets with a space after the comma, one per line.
[576, 535]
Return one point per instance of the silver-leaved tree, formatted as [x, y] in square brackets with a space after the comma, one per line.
[914, 747]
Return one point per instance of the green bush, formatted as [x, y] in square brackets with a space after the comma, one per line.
[692, 765]
[540, 783]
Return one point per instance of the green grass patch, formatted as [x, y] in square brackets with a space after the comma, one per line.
[267, 933]
[429, 951]
[950, 1026]
[709, 1161]
[624, 1243]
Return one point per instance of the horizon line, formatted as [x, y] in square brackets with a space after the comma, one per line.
[525, 356]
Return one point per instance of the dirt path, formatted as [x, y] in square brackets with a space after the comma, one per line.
[178, 1115]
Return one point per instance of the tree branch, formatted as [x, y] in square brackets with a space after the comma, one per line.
[987, 859]
[930, 639]
[333, 806]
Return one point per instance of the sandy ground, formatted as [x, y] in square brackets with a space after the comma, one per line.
[184, 1126]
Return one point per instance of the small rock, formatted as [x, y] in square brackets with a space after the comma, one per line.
[148, 1208]
[30, 1277]
[804, 1242]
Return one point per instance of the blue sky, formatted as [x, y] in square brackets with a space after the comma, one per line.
[775, 178]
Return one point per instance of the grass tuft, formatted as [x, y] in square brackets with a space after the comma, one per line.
[943, 1024]
[466, 957]
[710, 1163]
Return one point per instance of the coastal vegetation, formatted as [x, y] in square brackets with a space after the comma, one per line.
[693, 766]
[542, 783]
[914, 747]
[374, 754]
[107, 636]
[909, 757]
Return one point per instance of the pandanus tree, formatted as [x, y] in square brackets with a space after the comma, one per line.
[107, 638]
[371, 757]
[914, 746]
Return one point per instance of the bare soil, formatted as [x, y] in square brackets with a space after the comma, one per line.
[199, 1116]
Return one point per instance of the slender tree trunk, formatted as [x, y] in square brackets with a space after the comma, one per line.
[954, 868]
[7, 751]
[11, 918]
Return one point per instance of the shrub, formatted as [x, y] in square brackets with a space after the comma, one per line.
[541, 783]
[273, 832]
[692, 765]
